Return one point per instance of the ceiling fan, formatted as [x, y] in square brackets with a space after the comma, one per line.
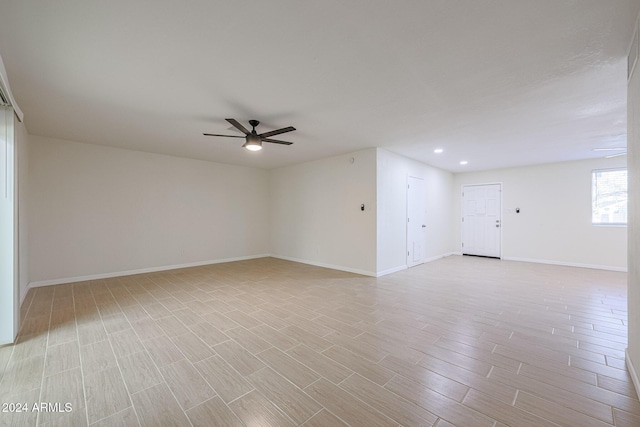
[622, 153]
[254, 140]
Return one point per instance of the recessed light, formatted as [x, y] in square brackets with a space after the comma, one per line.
[463, 162]
[438, 150]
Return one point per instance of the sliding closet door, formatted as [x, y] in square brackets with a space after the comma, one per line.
[9, 306]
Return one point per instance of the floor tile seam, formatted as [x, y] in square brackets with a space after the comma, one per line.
[371, 409]
[430, 388]
[9, 360]
[65, 370]
[116, 413]
[580, 337]
[420, 364]
[566, 407]
[335, 415]
[457, 352]
[322, 408]
[84, 387]
[100, 315]
[239, 397]
[582, 393]
[513, 404]
[384, 386]
[44, 360]
[543, 396]
[196, 370]
[230, 366]
[602, 365]
[28, 308]
[539, 355]
[277, 406]
[600, 353]
[129, 395]
[8, 396]
[320, 353]
[461, 403]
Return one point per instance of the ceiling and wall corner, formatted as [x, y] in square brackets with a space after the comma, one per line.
[501, 83]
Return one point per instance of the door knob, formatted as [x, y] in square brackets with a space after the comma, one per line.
[497, 225]
[424, 226]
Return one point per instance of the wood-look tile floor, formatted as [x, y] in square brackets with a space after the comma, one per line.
[457, 342]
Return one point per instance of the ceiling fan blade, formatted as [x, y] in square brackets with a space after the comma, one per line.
[276, 132]
[227, 136]
[615, 155]
[238, 126]
[275, 141]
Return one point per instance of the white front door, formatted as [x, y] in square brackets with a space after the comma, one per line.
[481, 220]
[416, 221]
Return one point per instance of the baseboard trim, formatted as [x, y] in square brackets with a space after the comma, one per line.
[566, 264]
[404, 267]
[632, 370]
[437, 257]
[325, 265]
[391, 270]
[75, 279]
[138, 271]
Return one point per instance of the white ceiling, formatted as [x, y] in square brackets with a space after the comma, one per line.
[496, 82]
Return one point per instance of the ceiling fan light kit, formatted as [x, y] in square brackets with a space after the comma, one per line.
[254, 143]
[253, 140]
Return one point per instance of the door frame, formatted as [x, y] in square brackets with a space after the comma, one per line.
[462, 186]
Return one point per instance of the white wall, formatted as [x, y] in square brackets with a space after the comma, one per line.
[554, 223]
[633, 160]
[169, 211]
[393, 171]
[316, 216]
[96, 210]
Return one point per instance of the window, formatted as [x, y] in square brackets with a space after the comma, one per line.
[609, 197]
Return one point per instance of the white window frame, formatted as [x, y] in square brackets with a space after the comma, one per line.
[593, 198]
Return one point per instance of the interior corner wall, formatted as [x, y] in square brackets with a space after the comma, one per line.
[96, 210]
[633, 164]
[316, 215]
[393, 171]
[554, 223]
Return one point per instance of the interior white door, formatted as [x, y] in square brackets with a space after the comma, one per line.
[481, 220]
[416, 221]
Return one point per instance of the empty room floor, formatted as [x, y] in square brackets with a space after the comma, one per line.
[461, 341]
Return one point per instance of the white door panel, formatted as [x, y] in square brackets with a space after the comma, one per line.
[481, 221]
[416, 221]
